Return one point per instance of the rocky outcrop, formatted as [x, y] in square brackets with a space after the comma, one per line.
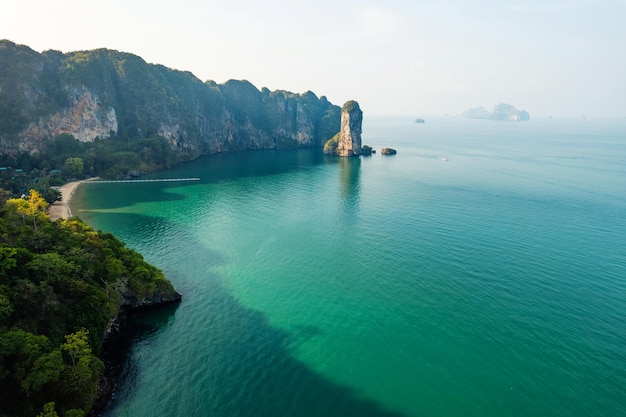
[104, 93]
[349, 143]
[130, 300]
[388, 151]
[502, 112]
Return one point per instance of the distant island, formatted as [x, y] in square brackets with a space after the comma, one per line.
[420, 120]
[502, 111]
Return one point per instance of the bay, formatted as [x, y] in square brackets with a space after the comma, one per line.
[481, 271]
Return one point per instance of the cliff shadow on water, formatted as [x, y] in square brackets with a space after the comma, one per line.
[216, 357]
[229, 166]
[212, 169]
[130, 328]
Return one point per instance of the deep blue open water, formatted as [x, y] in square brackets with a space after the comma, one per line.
[492, 283]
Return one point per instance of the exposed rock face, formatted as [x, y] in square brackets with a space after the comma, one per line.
[101, 93]
[388, 151]
[85, 119]
[349, 143]
[160, 296]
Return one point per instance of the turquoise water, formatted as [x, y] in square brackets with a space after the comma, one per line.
[490, 284]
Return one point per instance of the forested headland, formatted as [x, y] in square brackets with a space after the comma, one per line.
[61, 284]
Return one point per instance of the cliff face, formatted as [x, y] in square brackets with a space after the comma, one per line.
[349, 143]
[104, 93]
[84, 118]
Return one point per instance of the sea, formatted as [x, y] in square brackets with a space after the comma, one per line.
[480, 271]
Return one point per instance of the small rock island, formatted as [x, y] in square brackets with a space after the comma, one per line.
[350, 135]
[348, 141]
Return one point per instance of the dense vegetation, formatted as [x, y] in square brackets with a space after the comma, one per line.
[330, 147]
[65, 158]
[60, 285]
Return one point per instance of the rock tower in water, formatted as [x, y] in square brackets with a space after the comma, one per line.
[349, 143]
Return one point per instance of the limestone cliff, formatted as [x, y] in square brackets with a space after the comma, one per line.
[104, 93]
[85, 119]
[349, 143]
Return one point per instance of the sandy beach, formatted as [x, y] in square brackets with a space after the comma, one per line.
[61, 209]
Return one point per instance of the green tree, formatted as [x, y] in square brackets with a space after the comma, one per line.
[73, 167]
[27, 364]
[48, 411]
[32, 206]
[47, 368]
[5, 307]
[77, 346]
[81, 379]
[7, 261]
[50, 266]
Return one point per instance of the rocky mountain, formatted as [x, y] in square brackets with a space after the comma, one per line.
[105, 93]
[502, 111]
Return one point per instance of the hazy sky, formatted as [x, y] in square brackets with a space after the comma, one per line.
[550, 57]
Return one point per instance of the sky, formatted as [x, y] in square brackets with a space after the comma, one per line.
[561, 58]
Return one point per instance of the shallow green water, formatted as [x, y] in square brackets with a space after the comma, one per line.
[491, 284]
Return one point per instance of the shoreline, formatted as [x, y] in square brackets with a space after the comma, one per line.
[115, 352]
[61, 209]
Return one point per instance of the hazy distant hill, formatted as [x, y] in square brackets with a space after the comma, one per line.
[105, 93]
[501, 111]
